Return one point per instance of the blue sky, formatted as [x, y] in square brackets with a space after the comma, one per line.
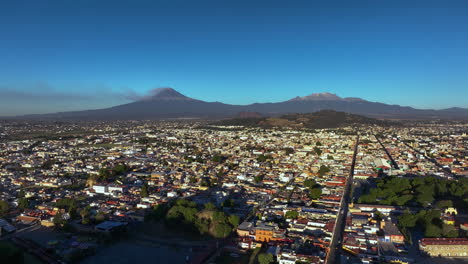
[79, 54]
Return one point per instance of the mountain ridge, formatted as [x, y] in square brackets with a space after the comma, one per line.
[167, 103]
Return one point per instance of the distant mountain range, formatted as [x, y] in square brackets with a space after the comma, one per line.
[167, 103]
[316, 120]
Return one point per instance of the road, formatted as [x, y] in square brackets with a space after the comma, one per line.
[223, 242]
[343, 211]
[446, 170]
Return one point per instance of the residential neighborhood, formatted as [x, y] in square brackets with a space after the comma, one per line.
[241, 194]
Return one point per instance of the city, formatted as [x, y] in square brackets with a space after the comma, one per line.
[233, 132]
[193, 192]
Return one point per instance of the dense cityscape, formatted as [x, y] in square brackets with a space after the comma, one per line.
[233, 132]
[196, 192]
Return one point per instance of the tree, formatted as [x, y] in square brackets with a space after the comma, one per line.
[144, 191]
[58, 220]
[258, 178]
[120, 168]
[202, 225]
[219, 217]
[234, 220]
[378, 215]
[407, 220]
[291, 214]
[66, 203]
[222, 230]
[23, 203]
[289, 151]
[310, 183]
[449, 231]
[315, 193]
[432, 230]
[210, 206]
[262, 158]
[217, 158]
[100, 217]
[158, 212]
[84, 213]
[265, 258]
[444, 204]
[317, 151]
[323, 170]
[4, 207]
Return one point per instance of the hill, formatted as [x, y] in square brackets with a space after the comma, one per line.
[317, 120]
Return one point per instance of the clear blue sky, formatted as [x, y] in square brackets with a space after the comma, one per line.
[79, 54]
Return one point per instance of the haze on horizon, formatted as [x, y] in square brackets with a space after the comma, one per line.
[76, 55]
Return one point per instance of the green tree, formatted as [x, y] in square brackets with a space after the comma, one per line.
[158, 212]
[4, 208]
[432, 230]
[258, 178]
[449, 231]
[58, 220]
[323, 170]
[84, 213]
[315, 193]
[291, 214]
[202, 225]
[219, 217]
[265, 258]
[120, 168]
[310, 183]
[234, 220]
[378, 215]
[217, 158]
[444, 204]
[100, 217]
[210, 206]
[317, 151]
[144, 191]
[289, 151]
[222, 230]
[407, 220]
[23, 203]
[66, 203]
[263, 158]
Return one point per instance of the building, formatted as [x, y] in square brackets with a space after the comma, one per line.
[264, 233]
[244, 229]
[444, 247]
[391, 231]
[109, 226]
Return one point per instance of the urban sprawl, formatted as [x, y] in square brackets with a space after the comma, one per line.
[189, 192]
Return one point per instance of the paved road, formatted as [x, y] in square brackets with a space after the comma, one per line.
[446, 170]
[343, 211]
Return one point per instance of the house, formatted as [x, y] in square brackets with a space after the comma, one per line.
[391, 231]
[244, 229]
[109, 226]
[264, 233]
